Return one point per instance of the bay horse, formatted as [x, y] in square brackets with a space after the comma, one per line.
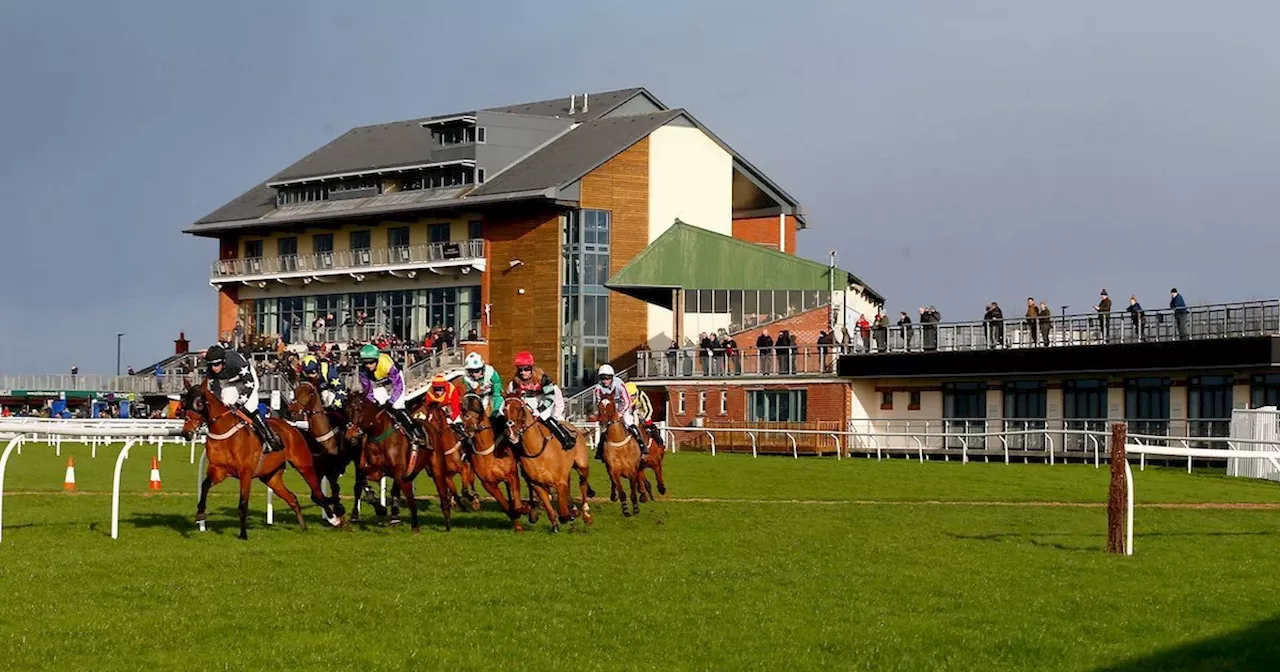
[621, 454]
[492, 460]
[234, 449]
[333, 451]
[652, 462]
[387, 451]
[546, 465]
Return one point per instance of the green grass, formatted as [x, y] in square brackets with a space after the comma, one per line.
[785, 569]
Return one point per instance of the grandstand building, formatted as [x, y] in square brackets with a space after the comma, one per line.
[510, 222]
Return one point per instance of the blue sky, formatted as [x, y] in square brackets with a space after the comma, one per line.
[953, 153]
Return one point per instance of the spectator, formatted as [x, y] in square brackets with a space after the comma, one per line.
[673, 353]
[846, 341]
[764, 352]
[1179, 308]
[1104, 315]
[994, 319]
[786, 350]
[733, 356]
[1033, 321]
[1046, 322]
[472, 335]
[864, 332]
[904, 327]
[1136, 316]
[704, 353]
[881, 327]
[929, 319]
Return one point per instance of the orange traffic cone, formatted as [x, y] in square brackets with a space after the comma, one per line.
[155, 474]
[69, 483]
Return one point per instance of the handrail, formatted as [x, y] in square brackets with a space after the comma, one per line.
[343, 260]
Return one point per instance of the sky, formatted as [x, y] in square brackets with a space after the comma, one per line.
[951, 153]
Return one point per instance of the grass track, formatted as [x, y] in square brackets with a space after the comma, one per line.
[902, 585]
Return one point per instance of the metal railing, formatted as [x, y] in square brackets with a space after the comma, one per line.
[579, 406]
[348, 260]
[1209, 322]
[59, 382]
[700, 363]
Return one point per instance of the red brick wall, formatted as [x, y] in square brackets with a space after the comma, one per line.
[528, 321]
[829, 406]
[228, 310]
[804, 328]
[764, 230]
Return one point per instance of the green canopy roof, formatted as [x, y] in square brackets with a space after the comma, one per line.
[689, 257]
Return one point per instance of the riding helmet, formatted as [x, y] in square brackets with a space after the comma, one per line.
[369, 353]
[215, 355]
[524, 359]
[474, 362]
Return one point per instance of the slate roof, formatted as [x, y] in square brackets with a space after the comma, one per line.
[576, 153]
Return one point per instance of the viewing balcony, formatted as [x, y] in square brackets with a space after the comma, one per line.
[402, 261]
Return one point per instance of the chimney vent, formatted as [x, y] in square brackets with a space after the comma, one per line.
[573, 99]
[584, 102]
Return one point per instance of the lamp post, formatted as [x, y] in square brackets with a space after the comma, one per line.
[119, 337]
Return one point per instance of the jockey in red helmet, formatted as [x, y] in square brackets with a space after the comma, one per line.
[543, 396]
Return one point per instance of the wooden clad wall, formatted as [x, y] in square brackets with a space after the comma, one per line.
[529, 321]
[622, 186]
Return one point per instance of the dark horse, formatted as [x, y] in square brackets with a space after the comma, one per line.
[333, 451]
[234, 449]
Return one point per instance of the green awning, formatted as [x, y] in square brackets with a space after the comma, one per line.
[688, 257]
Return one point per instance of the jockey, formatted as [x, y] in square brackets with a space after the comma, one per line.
[322, 374]
[644, 410]
[543, 395]
[609, 387]
[445, 395]
[483, 380]
[384, 386]
[234, 380]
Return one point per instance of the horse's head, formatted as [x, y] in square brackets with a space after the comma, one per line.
[196, 408]
[306, 399]
[607, 411]
[518, 418]
[475, 416]
[360, 413]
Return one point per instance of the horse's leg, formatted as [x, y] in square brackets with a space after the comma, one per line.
[636, 488]
[563, 500]
[212, 477]
[545, 497]
[585, 488]
[444, 485]
[301, 460]
[615, 480]
[495, 490]
[657, 474]
[469, 484]
[406, 490]
[275, 481]
[246, 484]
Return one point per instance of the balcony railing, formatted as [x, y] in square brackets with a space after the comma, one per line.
[64, 382]
[349, 261]
[698, 363]
[1211, 322]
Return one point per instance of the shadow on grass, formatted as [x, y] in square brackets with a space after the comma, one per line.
[1089, 542]
[1254, 648]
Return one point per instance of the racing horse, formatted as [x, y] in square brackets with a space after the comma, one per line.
[652, 462]
[546, 465]
[621, 454]
[386, 451]
[453, 463]
[491, 459]
[333, 452]
[232, 451]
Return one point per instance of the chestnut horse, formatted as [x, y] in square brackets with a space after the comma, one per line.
[491, 459]
[233, 449]
[334, 452]
[621, 454]
[653, 462]
[454, 465]
[546, 465]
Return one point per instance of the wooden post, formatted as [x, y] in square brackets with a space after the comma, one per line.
[1117, 502]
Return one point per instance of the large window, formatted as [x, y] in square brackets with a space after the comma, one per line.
[1084, 408]
[585, 313]
[406, 314]
[1146, 405]
[1025, 409]
[778, 405]
[964, 406]
[1209, 405]
[1265, 390]
[438, 233]
[735, 310]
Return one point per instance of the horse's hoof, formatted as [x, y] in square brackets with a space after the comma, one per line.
[626, 513]
[662, 489]
[475, 504]
[588, 518]
[517, 526]
[243, 536]
[644, 498]
[417, 531]
[200, 525]
[393, 522]
[613, 496]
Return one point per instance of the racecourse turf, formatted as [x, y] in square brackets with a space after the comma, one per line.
[769, 563]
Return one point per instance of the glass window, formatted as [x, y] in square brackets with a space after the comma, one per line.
[886, 401]
[481, 134]
[1025, 400]
[720, 299]
[795, 301]
[1146, 405]
[361, 240]
[287, 246]
[964, 400]
[252, 249]
[766, 305]
[778, 405]
[913, 402]
[702, 402]
[398, 237]
[1209, 404]
[690, 301]
[438, 233]
[480, 175]
[724, 402]
[704, 301]
[475, 229]
[1265, 390]
[680, 403]
[322, 242]
[735, 311]
[1084, 400]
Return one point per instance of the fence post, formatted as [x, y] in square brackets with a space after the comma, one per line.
[837, 440]
[753, 443]
[794, 451]
[1118, 500]
[713, 442]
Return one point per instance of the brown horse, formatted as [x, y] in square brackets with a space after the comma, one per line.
[234, 449]
[546, 465]
[621, 453]
[492, 460]
[333, 452]
[453, 463]
[387, 450]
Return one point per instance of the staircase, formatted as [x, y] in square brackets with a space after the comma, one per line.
[417, 378]
[579, 407]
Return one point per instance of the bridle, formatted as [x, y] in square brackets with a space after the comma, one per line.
[532, 423]
[473, 403]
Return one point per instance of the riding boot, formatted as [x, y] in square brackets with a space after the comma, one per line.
[413, 429]
[600, 448]
[270, 442]
[562, 434]
[635, 434]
